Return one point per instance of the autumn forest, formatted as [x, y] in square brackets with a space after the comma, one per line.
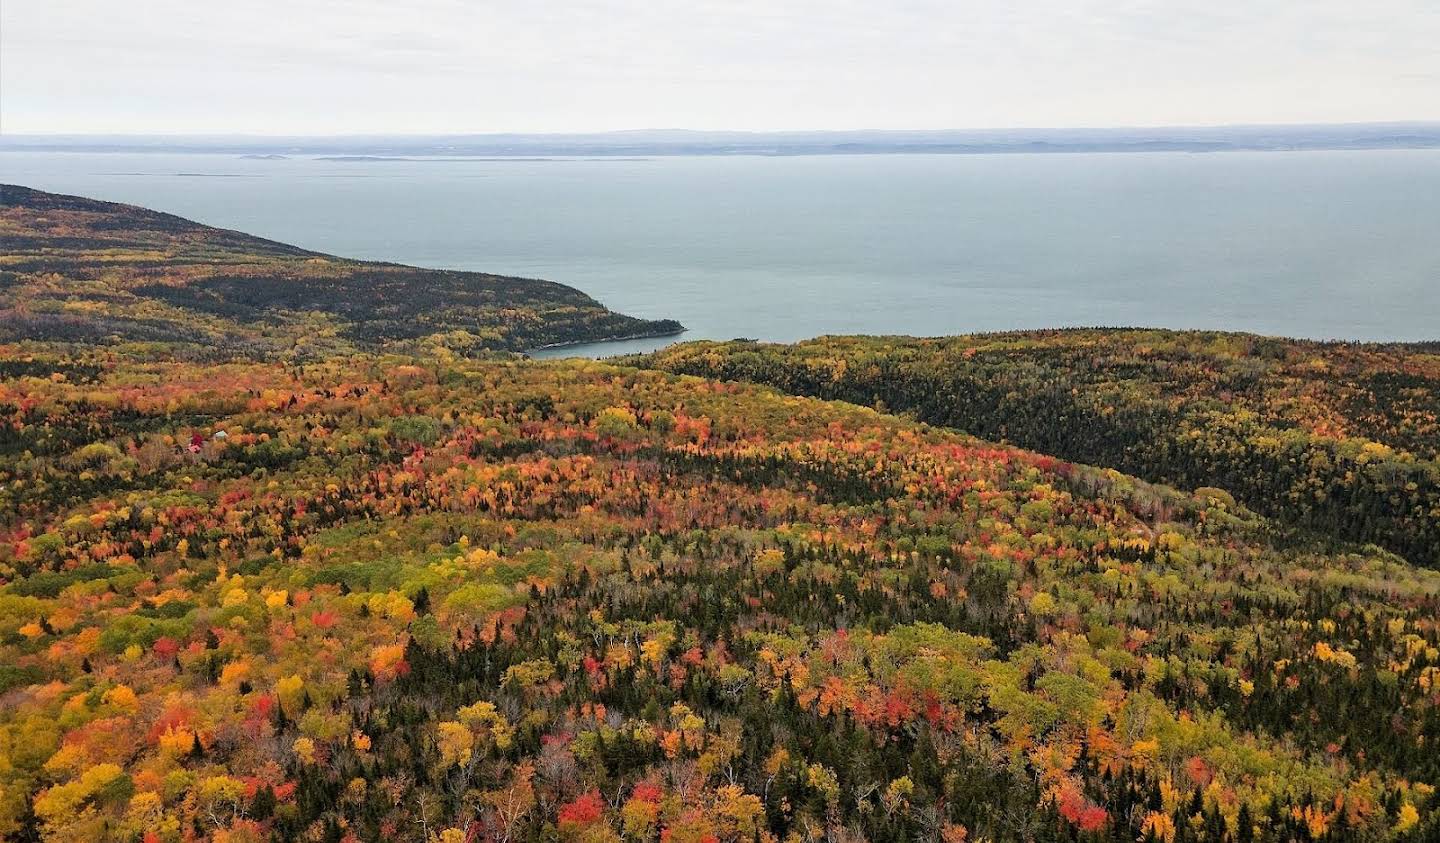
[300, 548]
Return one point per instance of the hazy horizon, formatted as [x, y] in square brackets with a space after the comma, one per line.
[664, 142]
[1431, 123]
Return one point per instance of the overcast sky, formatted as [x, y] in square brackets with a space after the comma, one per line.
[437, 66]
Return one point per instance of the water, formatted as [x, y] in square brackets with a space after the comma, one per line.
[1330, 245]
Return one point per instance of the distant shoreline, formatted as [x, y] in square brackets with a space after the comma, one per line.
[647, 335]
[1416, 135]
[647, 154]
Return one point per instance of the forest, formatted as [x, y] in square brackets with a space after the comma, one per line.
[88, 272]
[506, 600]
[265, 583]
[1340, 439]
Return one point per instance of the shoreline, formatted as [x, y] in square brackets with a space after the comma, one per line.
[651, 335]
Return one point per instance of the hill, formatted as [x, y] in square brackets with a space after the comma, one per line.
[1338, 438]
[283, 556]
[390, 598]
[75, 270]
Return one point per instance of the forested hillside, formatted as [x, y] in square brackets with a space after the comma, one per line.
[387, 598]
[87, 272]
[285, 556]
[1340, 439]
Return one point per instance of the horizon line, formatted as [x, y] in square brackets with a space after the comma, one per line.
[1420, 122]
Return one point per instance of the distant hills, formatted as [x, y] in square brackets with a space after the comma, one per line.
[76, 270]
[1400, 135]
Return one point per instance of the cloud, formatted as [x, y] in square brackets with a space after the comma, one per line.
[267, 66]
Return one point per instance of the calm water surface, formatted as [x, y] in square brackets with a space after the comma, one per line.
[1315, 244]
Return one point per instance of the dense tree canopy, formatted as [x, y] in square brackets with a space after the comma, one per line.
[84, 272]
[1338, 438]
[395, 599]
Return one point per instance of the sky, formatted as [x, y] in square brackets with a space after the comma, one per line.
[478, 66]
